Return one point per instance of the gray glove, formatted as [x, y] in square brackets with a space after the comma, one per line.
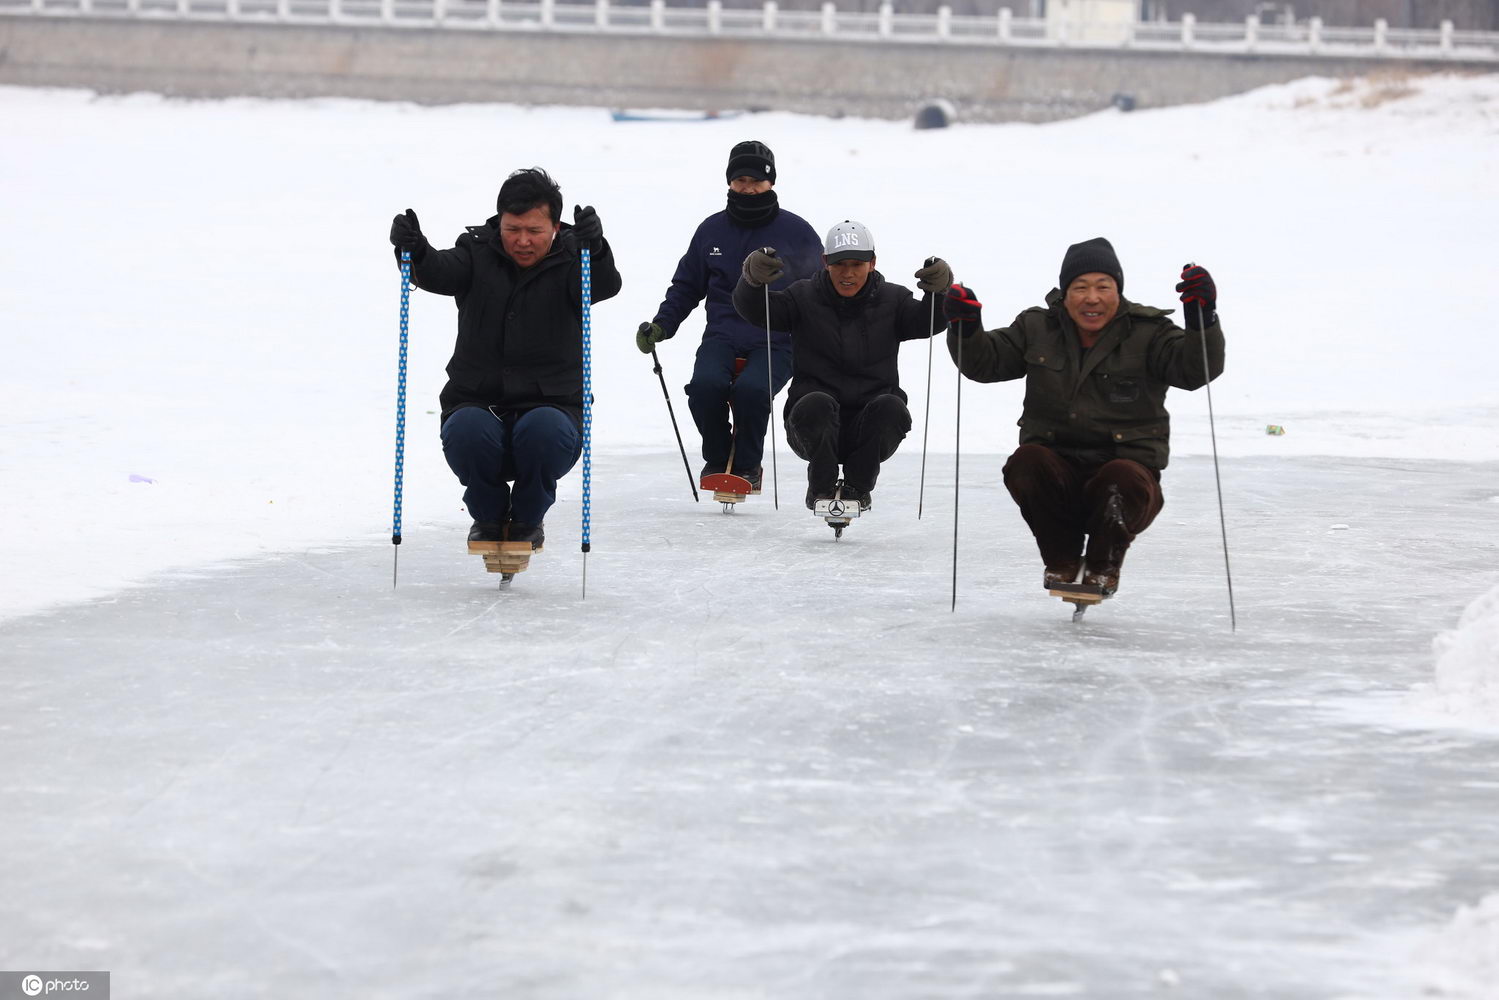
[934, 276]
[648, 336]
[763, 267]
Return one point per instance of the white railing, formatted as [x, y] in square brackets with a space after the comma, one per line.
[1309, 37]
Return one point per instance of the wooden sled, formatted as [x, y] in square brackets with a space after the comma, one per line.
[505, 558]
[727, 488]
[1081, 596]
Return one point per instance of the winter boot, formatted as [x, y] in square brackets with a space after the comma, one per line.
[486, 531]
[816, 493]
[753, 476]
[852, 492]
[1104, 577]
[518, 532]
[1062, 573]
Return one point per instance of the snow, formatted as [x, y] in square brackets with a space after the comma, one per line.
[752, 762]
[1466, 686]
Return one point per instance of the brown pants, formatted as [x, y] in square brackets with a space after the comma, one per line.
[1063, 501]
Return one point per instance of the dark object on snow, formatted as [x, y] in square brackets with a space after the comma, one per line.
[1124, 102]
[938, 114]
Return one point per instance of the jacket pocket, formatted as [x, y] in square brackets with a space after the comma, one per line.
[1144, 432]
[1042, 357]
[1120, 388]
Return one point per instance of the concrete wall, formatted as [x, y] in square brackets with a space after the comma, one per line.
[432, 66]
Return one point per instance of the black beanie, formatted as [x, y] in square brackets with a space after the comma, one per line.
[752, 159]
[1089, 256]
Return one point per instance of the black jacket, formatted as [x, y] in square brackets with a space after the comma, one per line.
[520, 330]
[846, 347]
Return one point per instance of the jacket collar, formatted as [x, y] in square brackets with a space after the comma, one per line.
[853, 303]
[1109, 337]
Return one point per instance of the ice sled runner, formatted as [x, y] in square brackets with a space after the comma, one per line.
[727, 488]
[505, 558]
[837, 511]
[1081, 596]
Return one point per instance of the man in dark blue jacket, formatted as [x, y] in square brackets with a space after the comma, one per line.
[710, 268]
[512, 409]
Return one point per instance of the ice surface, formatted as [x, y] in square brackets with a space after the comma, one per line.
[756, 762]
[235, 762]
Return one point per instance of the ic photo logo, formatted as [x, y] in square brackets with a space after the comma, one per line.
[34, 986]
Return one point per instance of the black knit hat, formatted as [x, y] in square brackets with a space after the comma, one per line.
[1089, 256]
[751, 159]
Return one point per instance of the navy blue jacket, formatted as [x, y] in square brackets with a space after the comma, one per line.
[711, 266]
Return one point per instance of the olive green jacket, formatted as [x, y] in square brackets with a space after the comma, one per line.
[1103, 403]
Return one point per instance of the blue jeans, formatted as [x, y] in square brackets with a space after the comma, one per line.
[713, 388]
[487, 451]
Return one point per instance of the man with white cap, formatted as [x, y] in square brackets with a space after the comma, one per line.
[845, 405]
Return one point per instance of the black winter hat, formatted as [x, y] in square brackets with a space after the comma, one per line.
[751, 159]
[1089, 256]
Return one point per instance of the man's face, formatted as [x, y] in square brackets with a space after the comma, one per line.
[748, 185]
[849, 276]
[527, 238]
[1092, 300]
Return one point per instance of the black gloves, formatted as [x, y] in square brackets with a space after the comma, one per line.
[934, 276]
[587, 228]
[648, 336]
[1200, 296]
[406, 234]
[763, 267]
[961, 306]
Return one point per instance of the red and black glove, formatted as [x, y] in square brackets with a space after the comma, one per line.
[961, 306]
[1199, 295]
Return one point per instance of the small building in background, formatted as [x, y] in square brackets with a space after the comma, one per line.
[1091, 22]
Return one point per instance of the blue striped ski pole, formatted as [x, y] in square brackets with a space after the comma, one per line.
[587, 405]
[395, 527]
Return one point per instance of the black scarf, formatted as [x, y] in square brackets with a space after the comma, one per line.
[753, 210]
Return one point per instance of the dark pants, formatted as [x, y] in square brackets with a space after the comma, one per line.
[860, 438]
[1063, 501]
[714, 388]
[487, 451]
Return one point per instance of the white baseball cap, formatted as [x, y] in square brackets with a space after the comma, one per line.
[848, 240]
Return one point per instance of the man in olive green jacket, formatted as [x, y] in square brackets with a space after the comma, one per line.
[1094, 431]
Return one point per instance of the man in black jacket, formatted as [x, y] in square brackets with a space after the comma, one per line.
[512, 409]
[845, 405]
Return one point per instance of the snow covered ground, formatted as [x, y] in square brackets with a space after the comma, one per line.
[753, 762]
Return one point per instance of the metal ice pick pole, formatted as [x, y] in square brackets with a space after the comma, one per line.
[770, 387]
[692, 483]
[395, 527]
[1207, 374]
[926, 421]
[586, 256]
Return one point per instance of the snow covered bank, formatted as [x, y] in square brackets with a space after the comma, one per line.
[1461, 961]
[1466, 686]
